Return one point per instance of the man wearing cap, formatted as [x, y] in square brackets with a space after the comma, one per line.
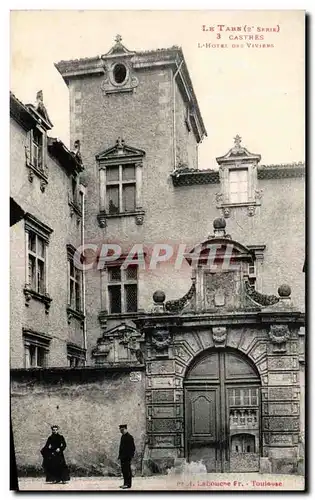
[126, 453]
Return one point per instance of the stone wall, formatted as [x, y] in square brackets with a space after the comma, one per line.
[88, 405]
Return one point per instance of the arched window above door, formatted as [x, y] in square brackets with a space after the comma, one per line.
[234, 366]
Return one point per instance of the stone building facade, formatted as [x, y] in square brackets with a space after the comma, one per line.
[216, 358]
[47, 311]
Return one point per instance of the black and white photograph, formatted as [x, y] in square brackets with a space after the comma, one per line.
[157, 250]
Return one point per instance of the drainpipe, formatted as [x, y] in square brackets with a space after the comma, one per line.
[174, 113]
[83, 193]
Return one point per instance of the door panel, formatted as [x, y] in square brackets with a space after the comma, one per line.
[222, 413]
[202, 412]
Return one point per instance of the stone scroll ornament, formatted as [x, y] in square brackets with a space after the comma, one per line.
[178, 305]
[161, 339]
[259, 298]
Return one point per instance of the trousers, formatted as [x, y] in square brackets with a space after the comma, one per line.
[126, 471]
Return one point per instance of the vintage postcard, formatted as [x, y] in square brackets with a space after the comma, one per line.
[157, 309]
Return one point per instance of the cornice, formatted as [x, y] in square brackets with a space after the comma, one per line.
[190, 177]
[282, 170]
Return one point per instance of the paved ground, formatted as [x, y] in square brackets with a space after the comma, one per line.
[222, 482]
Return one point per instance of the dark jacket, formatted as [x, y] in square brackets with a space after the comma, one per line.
[54, 442]
[127, 447]
[54, 461]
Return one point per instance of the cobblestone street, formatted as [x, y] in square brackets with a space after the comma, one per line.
[218, 482]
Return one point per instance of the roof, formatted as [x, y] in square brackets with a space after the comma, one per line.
[190, 176]
[167, 57]
[21, 114]
[282, 170]
[28, 117]
[70, 160]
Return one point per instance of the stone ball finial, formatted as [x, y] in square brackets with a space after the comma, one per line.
[219, 223]
[159, 297]
[284, 291]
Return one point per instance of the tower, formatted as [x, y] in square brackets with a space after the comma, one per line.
[137, 118]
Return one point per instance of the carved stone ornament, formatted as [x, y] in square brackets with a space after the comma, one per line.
[219, 336]
[30, 176]
[258, 194]
[179, 304]
[135, 376]
[161, 339]
[103, 348]
[41, 297]
[219, 197]
[251, 210]
[101, 218]
[279, 333]
[226, 212]
[110, 86]
[139, 219]
[42, 186]
[108, 343]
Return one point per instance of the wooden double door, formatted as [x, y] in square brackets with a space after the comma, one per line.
[222, 412]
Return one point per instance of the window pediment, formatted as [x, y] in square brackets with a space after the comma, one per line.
[120, 153]
[238, 153]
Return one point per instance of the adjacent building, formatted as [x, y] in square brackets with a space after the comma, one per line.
[197, 343]
[47, 293]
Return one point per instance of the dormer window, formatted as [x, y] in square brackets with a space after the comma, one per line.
[238, 179]
[36, 146]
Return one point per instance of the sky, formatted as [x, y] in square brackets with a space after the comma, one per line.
[253, 91]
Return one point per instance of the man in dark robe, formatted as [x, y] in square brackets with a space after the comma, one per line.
[126, 453]
[54, 463]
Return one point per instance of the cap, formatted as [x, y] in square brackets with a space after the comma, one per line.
[123, 426]
[55, 427]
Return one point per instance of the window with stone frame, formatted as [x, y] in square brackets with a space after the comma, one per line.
[36, 262]
[120, 181]
[238, 185]
[252, 273]
[38, 148]
[36, 349]
[75, 195]
[37, 238]
[75, 356]
[75, 282]
[122, 289]
[121, 189]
